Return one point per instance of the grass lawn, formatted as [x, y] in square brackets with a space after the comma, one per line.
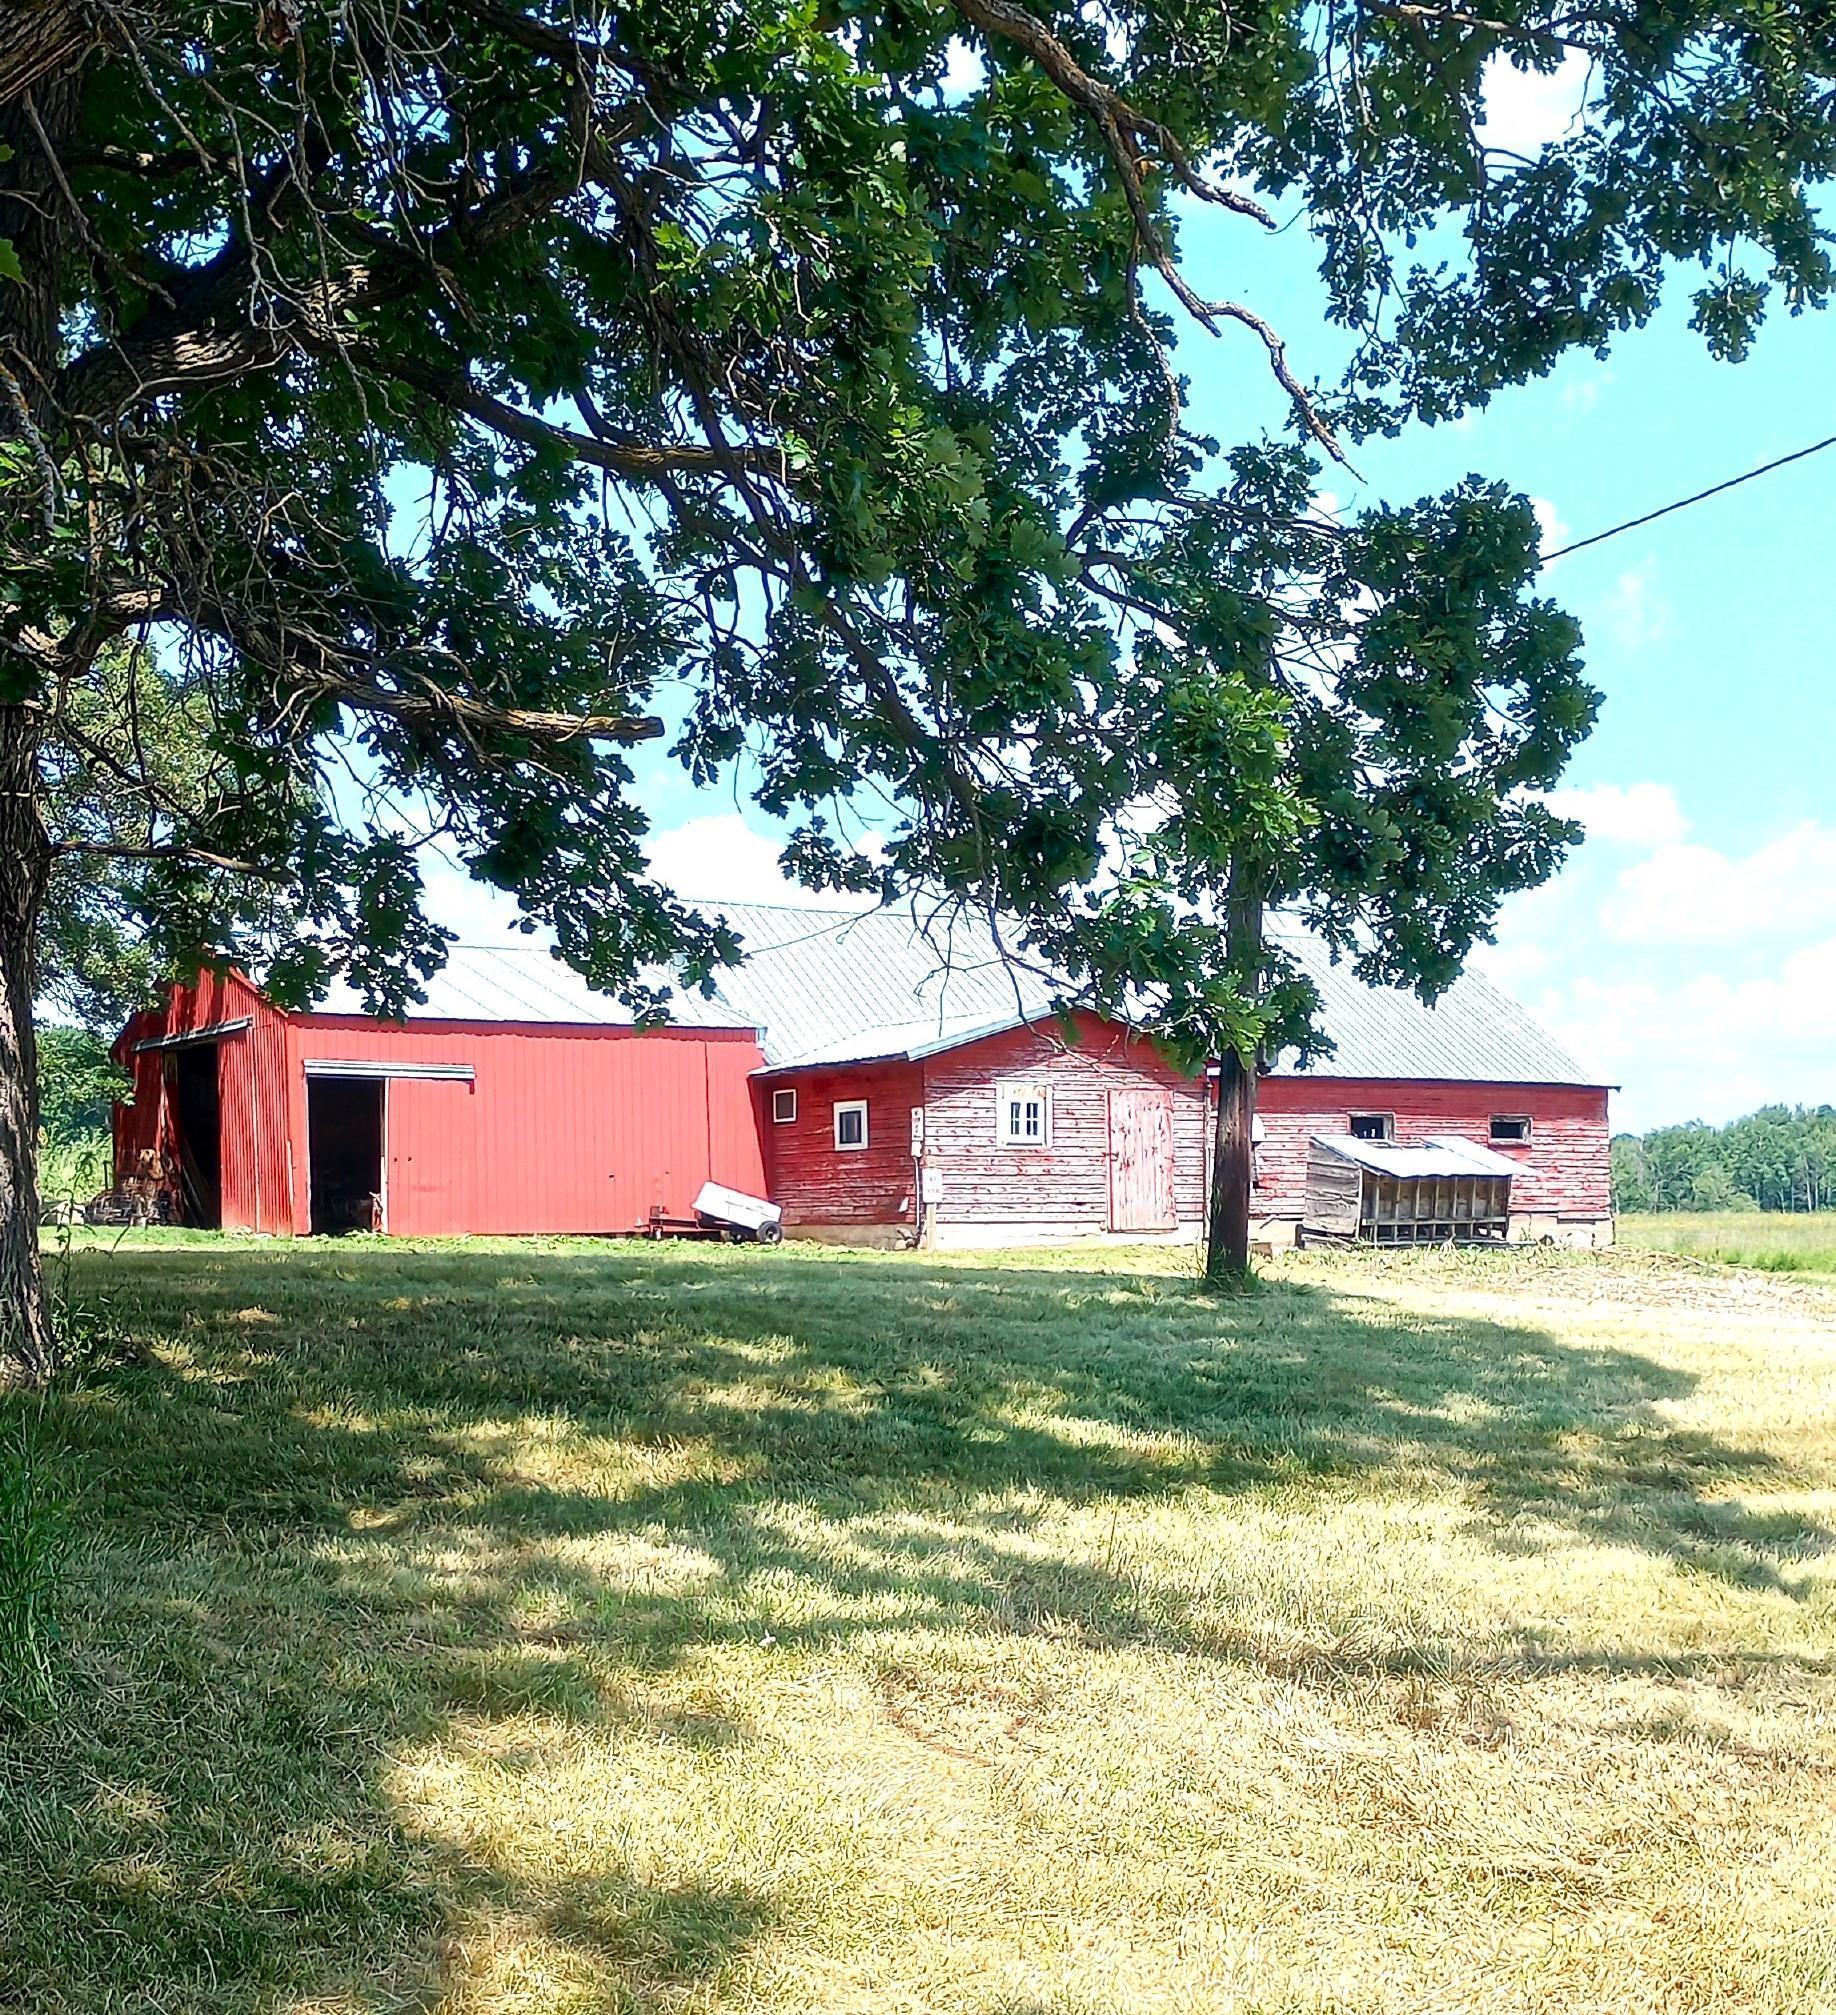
[1777, 1241]
[491, 1628]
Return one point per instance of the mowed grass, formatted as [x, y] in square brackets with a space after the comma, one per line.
[1775, 1241]
[503, 1628]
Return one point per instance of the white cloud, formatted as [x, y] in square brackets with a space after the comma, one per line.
[719, 856]
[1582, 395]
[1695, 895]
[1635, 613]
[1700, 980]
[1551, 524]
[475, 913]
[1516, 965]
[964, 70]
[1525, 110]
[1628, 815]
[1712, 1047]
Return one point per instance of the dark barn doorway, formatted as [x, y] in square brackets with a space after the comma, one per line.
[198, 1108]
[344, 1146]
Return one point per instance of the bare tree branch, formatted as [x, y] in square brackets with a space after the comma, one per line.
[1119, 123]
[618, 454]
[109, 850]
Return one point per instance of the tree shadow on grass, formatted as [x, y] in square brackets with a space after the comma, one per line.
[350, 1502]
[873, 1385]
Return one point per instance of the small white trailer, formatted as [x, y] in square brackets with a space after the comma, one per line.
[721, 1212]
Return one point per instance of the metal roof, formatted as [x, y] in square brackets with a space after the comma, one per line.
[1474, 1033]
[829, 987]
[525, 983]
[1440, 1155]
[826, 987]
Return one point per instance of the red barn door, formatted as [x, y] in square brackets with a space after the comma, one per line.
[1141, 1160]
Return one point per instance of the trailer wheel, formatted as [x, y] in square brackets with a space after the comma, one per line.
[771, 1234]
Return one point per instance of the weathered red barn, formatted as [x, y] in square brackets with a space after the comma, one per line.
[915, 1087]
[880, 1082]
[516, 1100]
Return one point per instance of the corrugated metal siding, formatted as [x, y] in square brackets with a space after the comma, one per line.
[137, 1118]
[1063, 1187]
[252, 1091]
[1563, 1169]
[813, 1180]
[560, 1130]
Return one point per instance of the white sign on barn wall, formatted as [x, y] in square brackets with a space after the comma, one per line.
[917, 1132]
[930, 1185]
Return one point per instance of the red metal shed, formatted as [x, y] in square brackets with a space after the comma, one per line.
[516, 1101]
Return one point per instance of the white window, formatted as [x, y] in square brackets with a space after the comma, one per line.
[1510, 1126]
[1373, 1126]
[1023, 1115]
[851, 1123]
[784, 1105]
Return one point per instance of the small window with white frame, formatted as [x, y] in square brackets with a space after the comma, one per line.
[851, 1123]
[784, 1104]
[1023, 1114]
[1373, 1126]
[1511, 1129]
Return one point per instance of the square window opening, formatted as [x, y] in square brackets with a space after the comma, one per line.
[784, 1105]
[851, 1123]
[1510, 1126]
[1023, 1115]
[1373, 1126]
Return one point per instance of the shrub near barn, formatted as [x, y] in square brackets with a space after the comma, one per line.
[78, 1086]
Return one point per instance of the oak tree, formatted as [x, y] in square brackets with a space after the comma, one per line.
[415, 397]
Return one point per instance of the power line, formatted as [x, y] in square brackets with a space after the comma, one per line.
[1683, 503]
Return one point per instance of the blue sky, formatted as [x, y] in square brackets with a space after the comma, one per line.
[1688, 950]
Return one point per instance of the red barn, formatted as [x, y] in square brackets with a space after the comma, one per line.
[880, 1082]
[914, 1086]
[516, 1100]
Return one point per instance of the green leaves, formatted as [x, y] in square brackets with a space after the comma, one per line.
[443, 382]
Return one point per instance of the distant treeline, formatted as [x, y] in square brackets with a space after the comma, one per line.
[1779, 1158]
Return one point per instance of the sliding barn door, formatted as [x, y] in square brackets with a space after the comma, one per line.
[1141, 1160]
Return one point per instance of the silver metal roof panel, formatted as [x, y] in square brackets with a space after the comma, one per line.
[526, 983]
[828, 987]
[1440, 1155]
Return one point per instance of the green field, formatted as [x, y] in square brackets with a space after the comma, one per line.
[514, 1628]
[1778, 1241]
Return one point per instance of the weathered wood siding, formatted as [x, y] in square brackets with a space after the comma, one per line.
[1562, 1170]
[817, 1183]
[1335, 1192]
[1061, 1189]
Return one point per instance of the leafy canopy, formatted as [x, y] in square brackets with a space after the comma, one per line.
[402, 401]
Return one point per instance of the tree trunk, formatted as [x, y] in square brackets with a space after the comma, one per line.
[26, 1341]
[1227, 1241]
[35, 218]
[38, 37]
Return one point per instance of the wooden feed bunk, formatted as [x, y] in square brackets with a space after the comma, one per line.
[1444, 1190]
